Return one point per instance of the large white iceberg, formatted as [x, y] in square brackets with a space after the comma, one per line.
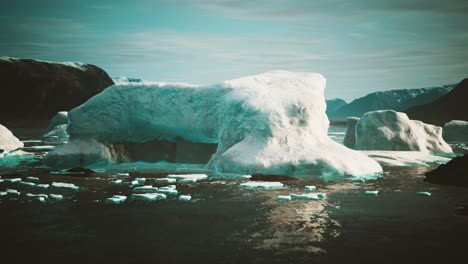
[8, 142]
[271, 123]
[456, 131]
[390, 130]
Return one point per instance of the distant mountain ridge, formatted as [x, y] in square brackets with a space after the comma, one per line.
[334, 104]
[398, 100]
[452, 106]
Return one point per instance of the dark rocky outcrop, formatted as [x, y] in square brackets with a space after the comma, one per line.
[36, 90]
[454, 173]
[452, 106]
[398, 100]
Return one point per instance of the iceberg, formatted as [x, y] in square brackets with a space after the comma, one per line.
[283, 198]
[116, 199]
[168, 190]
[270, 123]
[423, 193]
[12, 192]
[145, 189]
[65, 186]
[42, 186]
[140, 180]
[308, 196]
[123, 174]
[8, 142]
[390, 130]
[262, 185]
[56, 197]
[165, 180]
[371, 193]
[116, 181]
[405, 158]
[27, 184]
[310, 188]
[455, 131]
[32, 179]
[13, 180]
[187, 177]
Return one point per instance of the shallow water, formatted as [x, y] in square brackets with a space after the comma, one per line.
[225, 223]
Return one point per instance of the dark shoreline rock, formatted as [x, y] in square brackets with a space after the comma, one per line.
[453, 173]
[37, 90]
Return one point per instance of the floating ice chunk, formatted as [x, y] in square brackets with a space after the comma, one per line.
[3, 193]
[123, 174]
[38, 148]
[116, 182]
[13, 180]
[145, 189]
[246, 176]
[165, 180]
[56, 197]
[283, 198]
[262, 185]
[63, 185]
[140, 180]
[148, 196]
[37, 197]
[306, 196]
[123, 198]
[185, 198]
[423, 193]
[372, 193]
[1, 180]
[32, 179]
[27, 184]
[12, 192]
[42, 186]
[169, 191]
[188, 177]
[310, 188]
[134, 182]
[171, 187]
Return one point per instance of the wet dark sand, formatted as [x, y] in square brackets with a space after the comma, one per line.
[227, 224]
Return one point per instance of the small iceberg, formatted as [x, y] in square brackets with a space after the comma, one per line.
[3, 193]
[56, 197]
[140, 180]
[12, 192]
[145, 189]
[13, 180]
[148, 197]
[123, 174]
[116, 181]
[371, 193]
[165, 180]
[167, 190]
[262, 185]
[423, 193]
[310, 188]
[134, 183]
[308, 196]
[116, 199]
[283, 198]
[42, 186]
[27, 184]
[185, 198]
[42, 198]
[63, 185]
[188, 177]
[32, 179]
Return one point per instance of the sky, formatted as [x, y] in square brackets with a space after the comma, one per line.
[360, 46]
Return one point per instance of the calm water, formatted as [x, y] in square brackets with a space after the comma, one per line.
[227, 224]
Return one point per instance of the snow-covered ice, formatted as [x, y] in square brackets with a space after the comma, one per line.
[456, 131]
[145, 189]
[165, 180]
[283, 198]
[148, 197]
[63, 185]
[262, 185]
[185, 198]
[391, 130]
[273, 122]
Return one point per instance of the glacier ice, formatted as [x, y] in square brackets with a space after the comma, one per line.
[60, 118]
[15, 158]
[185, 198]
[262, 185]
[391, 130]
[456, 131]
[58, 127]
[270, 123]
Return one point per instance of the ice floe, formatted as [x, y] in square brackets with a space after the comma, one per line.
[165, 180]
[65, 186]
[185, 198]
[308, 196]
[405, 158]
[188, 177]
[148, 197]
[283, 198]
[145, 189]
[262, 185]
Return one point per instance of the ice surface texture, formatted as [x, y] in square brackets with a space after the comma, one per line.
[271, 123]
[8, 142]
